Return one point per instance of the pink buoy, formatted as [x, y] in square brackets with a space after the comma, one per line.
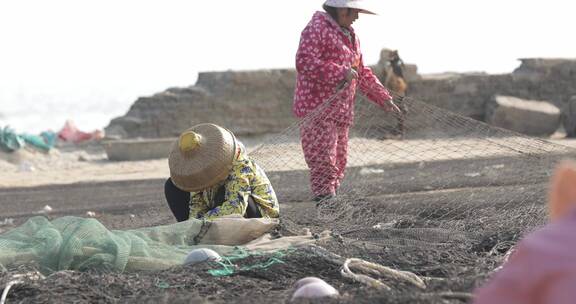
[307, 280]
[315, 290]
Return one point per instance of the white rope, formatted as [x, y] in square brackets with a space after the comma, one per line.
[7, 289]
[378, 270]
[19, 279]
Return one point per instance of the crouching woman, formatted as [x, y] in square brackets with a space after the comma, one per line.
[212, 176]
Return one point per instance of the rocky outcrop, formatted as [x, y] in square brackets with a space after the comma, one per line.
[546, 79]
[569, 117]
[258, 102]
[531, 117]
[249, 103]
[467, 94]
[138, 149]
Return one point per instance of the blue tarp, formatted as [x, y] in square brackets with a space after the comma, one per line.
[10, 141]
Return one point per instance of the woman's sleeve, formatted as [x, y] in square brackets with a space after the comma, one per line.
[198, 206]
[372, 87]
[263, 192]
[309, 60]
[237, 192]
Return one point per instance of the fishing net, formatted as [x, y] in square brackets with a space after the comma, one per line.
[229, 264]
[422, 189]
[429, 192]
[74, 243]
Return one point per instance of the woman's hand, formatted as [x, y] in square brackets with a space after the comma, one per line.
[394, 108]
[351, 74]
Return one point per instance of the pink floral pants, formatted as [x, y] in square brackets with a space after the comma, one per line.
[325, 146]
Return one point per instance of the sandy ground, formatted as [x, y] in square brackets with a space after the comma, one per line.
[457, 269]
[89, 163]
[467, 211]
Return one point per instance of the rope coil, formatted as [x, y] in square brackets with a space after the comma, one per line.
[378, 270]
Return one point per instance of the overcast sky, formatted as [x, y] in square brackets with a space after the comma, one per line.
[137, 47]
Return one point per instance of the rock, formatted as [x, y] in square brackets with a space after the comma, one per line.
[464, 94]
[545, 79]
[260, 102]
[536, 118]
[123, 127]
[535, 69]
[468, 94]
[569, 117]
[250, 103]
[138, 149]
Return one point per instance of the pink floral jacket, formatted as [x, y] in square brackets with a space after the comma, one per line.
[324, 57]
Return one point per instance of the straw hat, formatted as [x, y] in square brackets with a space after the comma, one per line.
[357, 4]
[562, 198]
[201, 157]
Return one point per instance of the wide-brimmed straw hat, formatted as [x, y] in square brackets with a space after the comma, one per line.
[361, 5]
[201, 157]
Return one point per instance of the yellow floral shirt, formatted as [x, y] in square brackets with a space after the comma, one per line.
[246, 179]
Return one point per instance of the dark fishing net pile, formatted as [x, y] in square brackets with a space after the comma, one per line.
[429, 191]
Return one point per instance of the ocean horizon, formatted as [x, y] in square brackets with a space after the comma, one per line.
[35, 109]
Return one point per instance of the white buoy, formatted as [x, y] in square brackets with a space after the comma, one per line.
[201, 255]
[307, 280]
[315, 290]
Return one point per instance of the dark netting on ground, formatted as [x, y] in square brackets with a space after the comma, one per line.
[186, 284]
[430, 192]
[435, 194]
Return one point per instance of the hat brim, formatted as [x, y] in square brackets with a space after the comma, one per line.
[368, 12]
[362, 7]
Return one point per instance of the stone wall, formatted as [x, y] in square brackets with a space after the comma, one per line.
[552, 80]
[249, 103]
[259, 102]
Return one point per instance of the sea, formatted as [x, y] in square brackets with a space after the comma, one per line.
[32, 110]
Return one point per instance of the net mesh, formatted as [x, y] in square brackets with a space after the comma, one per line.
[428, 184]
[422, 192]
[74, 243]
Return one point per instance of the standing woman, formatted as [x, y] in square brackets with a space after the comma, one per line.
[330, 68]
